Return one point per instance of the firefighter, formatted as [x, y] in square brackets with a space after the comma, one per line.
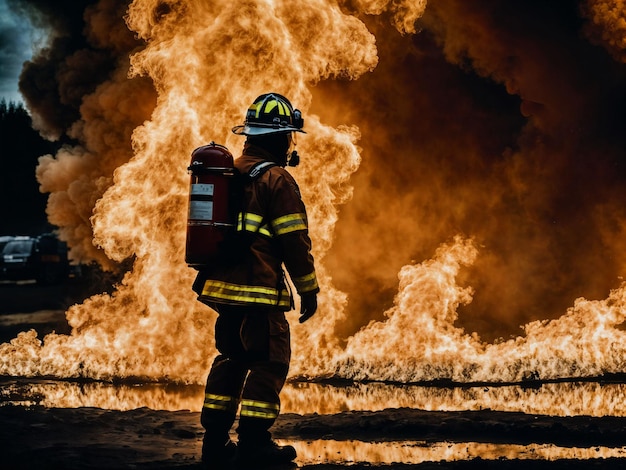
[250, 293]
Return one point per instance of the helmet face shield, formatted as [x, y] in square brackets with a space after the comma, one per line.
[270, 113]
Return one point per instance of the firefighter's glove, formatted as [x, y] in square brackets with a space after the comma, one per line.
[308, 306]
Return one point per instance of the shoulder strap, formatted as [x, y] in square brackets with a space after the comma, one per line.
[258, 169]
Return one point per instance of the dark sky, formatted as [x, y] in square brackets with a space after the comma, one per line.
[16, 42]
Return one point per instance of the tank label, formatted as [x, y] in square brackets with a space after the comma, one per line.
[202, 189]
[201, 210]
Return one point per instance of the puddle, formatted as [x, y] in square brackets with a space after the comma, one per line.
[412, 452]
[553, 399]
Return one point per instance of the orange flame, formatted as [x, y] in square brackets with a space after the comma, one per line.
[419, 342]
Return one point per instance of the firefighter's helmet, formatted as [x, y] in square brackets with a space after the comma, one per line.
[270, 113]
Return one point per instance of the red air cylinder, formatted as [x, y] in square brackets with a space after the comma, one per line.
[210, 217]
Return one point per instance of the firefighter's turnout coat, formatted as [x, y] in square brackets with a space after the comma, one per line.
[273, 223]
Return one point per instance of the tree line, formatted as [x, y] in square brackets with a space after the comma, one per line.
[22, 211]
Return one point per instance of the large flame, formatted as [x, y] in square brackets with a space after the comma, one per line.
[472, 188]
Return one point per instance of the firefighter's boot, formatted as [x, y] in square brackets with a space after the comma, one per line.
[217, 454]
[217, 448]
[263, 453]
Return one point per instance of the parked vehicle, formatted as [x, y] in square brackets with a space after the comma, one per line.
[43, 258]
[3, 241]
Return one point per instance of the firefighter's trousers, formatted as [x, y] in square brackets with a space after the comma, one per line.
[254, 347]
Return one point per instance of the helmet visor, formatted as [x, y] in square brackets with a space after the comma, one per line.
[247, 129]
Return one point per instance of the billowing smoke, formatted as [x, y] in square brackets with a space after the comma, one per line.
[475, 148]
[519, 144]
[606, 25]
[78, 89]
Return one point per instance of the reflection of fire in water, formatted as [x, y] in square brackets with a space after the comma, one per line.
[532, 233]
[317, 452]
[554, 399]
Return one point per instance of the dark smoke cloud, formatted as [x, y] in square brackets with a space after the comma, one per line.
[500, 121]
[51, 82]
[78, 89]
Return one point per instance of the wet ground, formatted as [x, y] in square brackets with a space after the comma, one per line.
[93, 437]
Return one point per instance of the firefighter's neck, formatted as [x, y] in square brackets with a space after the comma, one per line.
[255, 150]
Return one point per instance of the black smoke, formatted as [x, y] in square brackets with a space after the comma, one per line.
[501, 121]
[77, 90]
[55, 80]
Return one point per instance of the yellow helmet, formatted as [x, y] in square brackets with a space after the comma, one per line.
[270, 113]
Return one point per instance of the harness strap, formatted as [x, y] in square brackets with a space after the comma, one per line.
[259, 168]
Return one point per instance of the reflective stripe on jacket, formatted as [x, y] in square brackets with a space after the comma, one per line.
[226, 292]
[275, 223]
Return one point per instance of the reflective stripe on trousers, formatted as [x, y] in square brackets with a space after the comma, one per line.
[259, 409]
[221, 402]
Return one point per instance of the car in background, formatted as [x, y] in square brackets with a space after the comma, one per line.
[43, 258]
[3, 241]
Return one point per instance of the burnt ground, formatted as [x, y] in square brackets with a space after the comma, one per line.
[37, 437]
